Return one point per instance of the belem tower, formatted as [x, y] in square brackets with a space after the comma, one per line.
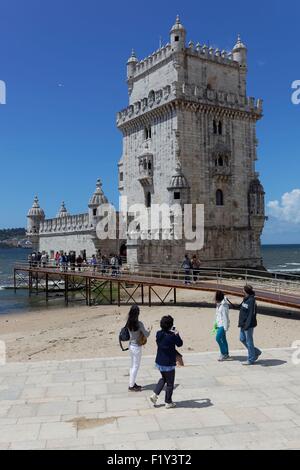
[189, 137]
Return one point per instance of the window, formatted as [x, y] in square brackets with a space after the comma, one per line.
[219, 198]
[220, 128]
[220, 161]
[215, 127]
[176, 38]
[147, 133]
[177, 196]
[121, 176]
[148, 199]
[94, 212]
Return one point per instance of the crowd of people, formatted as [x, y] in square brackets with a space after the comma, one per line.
[168, 339]
[72, 262]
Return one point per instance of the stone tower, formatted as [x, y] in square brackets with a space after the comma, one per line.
[189, 135]
[35, 218]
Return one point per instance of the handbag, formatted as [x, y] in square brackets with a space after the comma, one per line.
[142, 339]
[179, 359]
[124, 336]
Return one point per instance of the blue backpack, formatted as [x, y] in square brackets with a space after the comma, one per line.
[124, 336]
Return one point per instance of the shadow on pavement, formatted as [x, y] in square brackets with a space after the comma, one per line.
[200, 403]
[260, 362]
[152, 387]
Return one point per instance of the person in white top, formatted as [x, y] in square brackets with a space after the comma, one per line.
[222, 324]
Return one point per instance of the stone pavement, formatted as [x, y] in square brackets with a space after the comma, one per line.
[84, 404]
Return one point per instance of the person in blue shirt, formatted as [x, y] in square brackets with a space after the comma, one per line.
[167, 339]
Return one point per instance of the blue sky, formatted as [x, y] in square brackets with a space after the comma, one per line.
[64, 64]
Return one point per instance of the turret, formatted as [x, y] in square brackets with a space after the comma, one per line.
[131, 64]
[35, 216]
[178, 36]
[97, 199]
[179, 190]
[239, 53]
[62, 211]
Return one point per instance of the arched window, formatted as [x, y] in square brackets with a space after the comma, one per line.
[220, 161]
[219, 198]
[148, 199]
[215, 127]
[220, 128]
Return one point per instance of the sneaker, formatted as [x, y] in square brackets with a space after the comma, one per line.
[170, 405]
[154, 398]
[259, 353]
[135, 389]
[248, 363]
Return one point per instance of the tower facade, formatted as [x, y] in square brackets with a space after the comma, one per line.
[190, 120]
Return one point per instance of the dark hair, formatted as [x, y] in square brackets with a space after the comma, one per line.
[249, 290]
[133, 318]
[166, 323]
[219, 296]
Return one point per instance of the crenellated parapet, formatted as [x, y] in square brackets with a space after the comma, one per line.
[191, 93]
[69, 224]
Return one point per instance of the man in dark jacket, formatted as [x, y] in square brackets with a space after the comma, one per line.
[167, 339]
[247, 323]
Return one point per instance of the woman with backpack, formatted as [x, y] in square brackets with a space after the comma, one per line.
[138, 337]
[167, 339]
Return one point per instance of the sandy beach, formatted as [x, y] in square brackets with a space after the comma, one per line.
[87, 332]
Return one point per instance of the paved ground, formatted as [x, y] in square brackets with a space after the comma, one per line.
[85, 405]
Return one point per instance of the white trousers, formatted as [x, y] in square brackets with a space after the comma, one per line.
[136, 356]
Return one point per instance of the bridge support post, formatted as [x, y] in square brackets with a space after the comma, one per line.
[111, 292]
[150, 296]
[142, 293]
[15, 281]
[175, 296]
[66, 290]
[47, 287]
[119, 294]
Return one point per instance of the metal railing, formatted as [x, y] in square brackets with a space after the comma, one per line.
[275, 283]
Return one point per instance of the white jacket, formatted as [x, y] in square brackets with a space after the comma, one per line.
[222, 315]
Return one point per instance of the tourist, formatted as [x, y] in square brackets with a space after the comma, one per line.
[247, 323]
[137, 333]
[57, 256]
[187, 266]
[44, 259]
[196, 268]
[167, 339]
[222, 324]
[39, 257]
[114, 262]
[93, 263]
[79, 261]
[29, 259]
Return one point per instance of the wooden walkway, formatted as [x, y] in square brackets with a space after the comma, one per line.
[96, 287]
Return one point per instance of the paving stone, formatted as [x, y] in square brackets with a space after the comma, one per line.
[59, 430]
[198, 443]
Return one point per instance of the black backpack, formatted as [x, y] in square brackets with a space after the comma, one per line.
[123, 337]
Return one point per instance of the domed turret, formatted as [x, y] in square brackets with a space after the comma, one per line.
[178, 35]
[97, 199]
[131, 64]
[179, 187]
[239, 52]
[35, 216]
[62, 211]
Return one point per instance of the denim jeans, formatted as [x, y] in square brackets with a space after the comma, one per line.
[169, 379]
[246, 337]
[187, 278]
[222, 341]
